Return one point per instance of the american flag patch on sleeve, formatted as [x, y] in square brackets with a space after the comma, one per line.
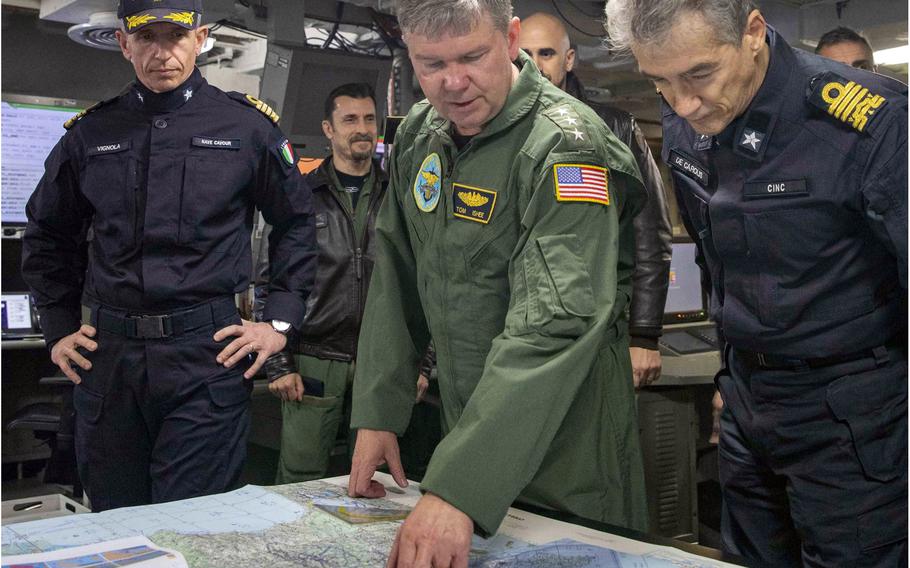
[577, 182]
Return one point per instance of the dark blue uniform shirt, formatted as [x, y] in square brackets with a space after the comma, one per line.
[799, 208]
[147, 203]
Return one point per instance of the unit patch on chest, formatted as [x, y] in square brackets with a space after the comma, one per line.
[428, 183]
[847, 101]
[473, 203]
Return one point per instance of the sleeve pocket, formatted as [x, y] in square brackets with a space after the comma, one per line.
[874, 407]
[560, 295]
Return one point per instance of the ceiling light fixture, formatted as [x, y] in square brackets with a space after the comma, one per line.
[893, 56]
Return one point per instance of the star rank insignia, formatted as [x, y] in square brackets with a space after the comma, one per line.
[752, 140]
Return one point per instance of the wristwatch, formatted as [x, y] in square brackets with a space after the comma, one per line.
[281, 327]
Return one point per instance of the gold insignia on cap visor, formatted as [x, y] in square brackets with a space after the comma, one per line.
[135, 21]
[181, 17]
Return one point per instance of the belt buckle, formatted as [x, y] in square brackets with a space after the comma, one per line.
[152, 327]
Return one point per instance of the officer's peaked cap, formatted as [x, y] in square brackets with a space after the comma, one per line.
[137, 14]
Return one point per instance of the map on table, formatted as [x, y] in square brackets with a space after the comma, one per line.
[282, 526]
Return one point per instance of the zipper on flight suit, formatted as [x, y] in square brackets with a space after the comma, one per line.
[450, 167]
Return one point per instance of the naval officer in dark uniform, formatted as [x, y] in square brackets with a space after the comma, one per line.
[144, 216]
[791, 175]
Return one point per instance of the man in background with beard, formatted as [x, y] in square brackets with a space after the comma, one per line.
[348, 188]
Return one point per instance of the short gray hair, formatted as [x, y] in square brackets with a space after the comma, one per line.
[457, 17]
[648, 22]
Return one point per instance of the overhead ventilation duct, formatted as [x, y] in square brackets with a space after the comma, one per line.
[98, 32]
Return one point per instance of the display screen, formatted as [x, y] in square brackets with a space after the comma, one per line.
[29, 133]
[684, 293]
[16, 312]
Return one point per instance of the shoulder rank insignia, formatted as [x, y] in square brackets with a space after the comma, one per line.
[76, 118]
[571, 124]
[428, 183]
[257, 104]
[580, 182]
[846, 101]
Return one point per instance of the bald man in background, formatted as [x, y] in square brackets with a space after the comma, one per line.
[545, 39]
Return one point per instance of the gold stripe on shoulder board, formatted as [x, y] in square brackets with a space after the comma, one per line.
[846, 100]
[263, 108]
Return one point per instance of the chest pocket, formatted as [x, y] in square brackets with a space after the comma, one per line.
[111, 183]
[803, 256]
[213, 196]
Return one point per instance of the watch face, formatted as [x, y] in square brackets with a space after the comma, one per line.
[281, 326]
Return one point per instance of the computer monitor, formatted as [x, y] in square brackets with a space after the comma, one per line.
[18, 315]
[685, 297]
[297, 80]
[31, 127]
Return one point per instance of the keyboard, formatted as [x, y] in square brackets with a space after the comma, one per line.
[698, 339]
[708, 334]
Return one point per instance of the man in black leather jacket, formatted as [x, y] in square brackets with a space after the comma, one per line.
[544, 38]
[348, 189]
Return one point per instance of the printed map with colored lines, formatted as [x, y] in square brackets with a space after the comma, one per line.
[280, 527]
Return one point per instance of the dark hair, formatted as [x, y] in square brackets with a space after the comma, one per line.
[353, 90]
[840, 35]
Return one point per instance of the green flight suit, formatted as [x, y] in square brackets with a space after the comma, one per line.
[309, 427]
[524, 296]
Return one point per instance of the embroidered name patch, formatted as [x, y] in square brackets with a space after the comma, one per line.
[111, 148]
[847, 101]
[775, 188]
[579, 182]
[223, 143]
[689, 167]
[473, 203]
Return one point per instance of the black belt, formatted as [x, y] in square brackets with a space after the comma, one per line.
[158, 326]
[781, 363]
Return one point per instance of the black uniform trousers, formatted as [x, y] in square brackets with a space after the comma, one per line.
[813, 462]
[159, 419]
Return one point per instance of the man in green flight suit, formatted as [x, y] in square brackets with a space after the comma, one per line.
[507, 238]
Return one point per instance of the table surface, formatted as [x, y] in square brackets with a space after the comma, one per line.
[280, 526]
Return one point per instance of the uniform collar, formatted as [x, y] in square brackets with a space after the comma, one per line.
[750, 135]
[521, 99]
[143, 98]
